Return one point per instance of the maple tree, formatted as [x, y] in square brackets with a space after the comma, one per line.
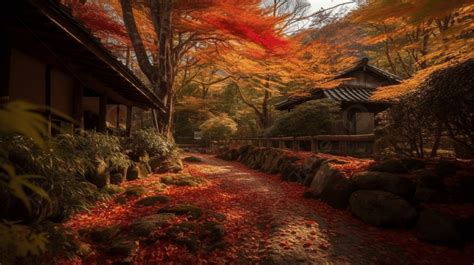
[164, 34]
[417, 37]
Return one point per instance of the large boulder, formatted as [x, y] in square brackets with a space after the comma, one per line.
[118, 175]
[311, 166]
[230, 155]
[332, 187]
[413, 163]
[381, 208]
[99, 174]
[271, 163]
[446, 167]
[172, 165]
[286, 161]
[390, 166]
[292, 172]
[323, 177]
[396, 184]
[195, 159]
[144, 226]
[191, 211]
[436, 227]
[138, 170]
[244, 151]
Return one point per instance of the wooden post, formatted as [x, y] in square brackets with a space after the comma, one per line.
[281, 144]
[314, 145]
[5, 55]
[295, 145]
[129, 121]
[47, 96]
[102, 113]
[117, 120]
[78, 111]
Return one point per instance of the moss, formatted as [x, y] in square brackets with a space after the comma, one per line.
[112, 189]
[102, 235]
[192, 211]
[135, 191]
[148, 201]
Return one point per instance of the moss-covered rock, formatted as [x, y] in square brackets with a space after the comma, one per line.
[180, 180]
[143, 227]
[193, 212]
[389, 166]
[102, 235]
[135, 191]
[123, 247]
[138, 170]
[152, 200]
[194, 159]
[117, 178]
[99, 174]
[112, 189]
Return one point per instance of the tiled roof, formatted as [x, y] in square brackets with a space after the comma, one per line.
[343, 93]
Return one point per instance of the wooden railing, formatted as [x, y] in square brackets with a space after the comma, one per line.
[355, 145]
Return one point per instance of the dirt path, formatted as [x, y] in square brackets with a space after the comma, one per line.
[267, 222]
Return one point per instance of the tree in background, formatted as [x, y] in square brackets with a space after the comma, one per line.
[166, 35]
[218, 128]
[310, 118]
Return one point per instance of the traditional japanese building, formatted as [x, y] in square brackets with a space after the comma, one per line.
[48, 58]
[354, 95]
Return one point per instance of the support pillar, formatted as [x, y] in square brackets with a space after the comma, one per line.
[129, 121]
[281, 144]
[78, 111]
[102, 113]
[314, 145]
[47, 97]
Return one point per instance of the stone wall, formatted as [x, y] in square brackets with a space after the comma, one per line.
[395, 193]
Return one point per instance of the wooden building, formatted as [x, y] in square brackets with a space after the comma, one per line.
[49, 58]
[358, 110]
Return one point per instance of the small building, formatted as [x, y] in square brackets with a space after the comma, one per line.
[354, 94]
[50, 59]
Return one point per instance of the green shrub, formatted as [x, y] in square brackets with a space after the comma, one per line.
[311, 118]
[149, 142]
[218, 128]
[64, 166]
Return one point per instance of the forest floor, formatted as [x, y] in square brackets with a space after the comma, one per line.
[266, 221]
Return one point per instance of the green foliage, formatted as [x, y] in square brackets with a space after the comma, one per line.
[149, 142]
[20, 241]
[65, 165]
[218, 128]
[311, 118]
[17, 183]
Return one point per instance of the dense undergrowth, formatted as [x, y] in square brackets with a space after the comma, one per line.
[56, 184]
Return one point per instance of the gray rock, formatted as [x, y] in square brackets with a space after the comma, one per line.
[123, 247]
[382, 208]
[112, 189]
[332, 187]
[390, 166]
[152, 200]
[413, 164]
[138, 170]
[117, 178]
[396, 184]
[135, 191]
[322, 178]
[194, 159]
[102, 235]
[99, 175]
[192, 211]
[145, 226]
[435, 227]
